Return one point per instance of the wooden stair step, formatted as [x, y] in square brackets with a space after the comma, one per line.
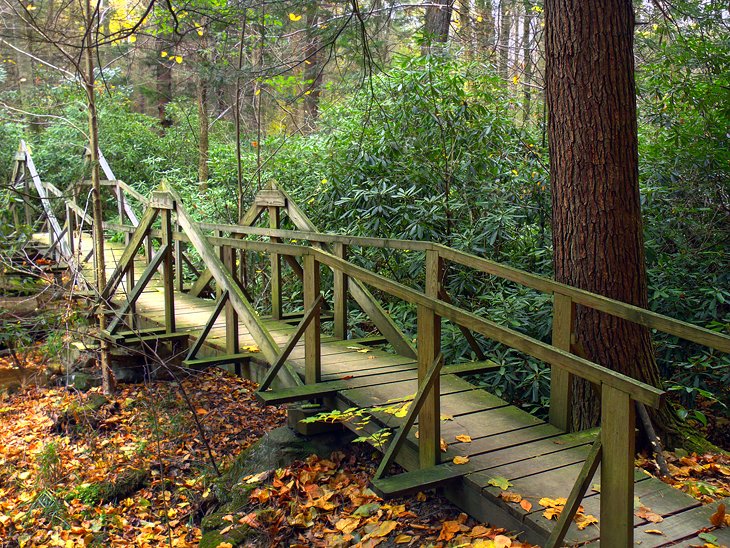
[202, 363]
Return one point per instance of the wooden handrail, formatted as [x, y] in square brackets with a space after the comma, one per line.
[635, 314]
[580, 367]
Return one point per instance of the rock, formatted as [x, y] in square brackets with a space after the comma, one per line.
[81, 381]
[127, 483]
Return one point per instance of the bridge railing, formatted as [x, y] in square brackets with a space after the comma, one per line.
[613, 450]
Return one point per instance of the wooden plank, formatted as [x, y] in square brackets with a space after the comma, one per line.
[312, 343]
[275, 260]
[309, 316]
[681, 526]
[339, 295]
[561, 381]
[576, 495]
[246, 312]
[617, 467]
[168, 274]
[426, 385]
[201, 283]
[578, 366]
[270, 198]
[137, 290]
[638, 315]
[197, 345]
[232, 333]
[202, 363]
[129, 253]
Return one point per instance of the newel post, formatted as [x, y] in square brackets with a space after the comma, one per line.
[168, 282]
[340, 295]
[276, 304]
[618, 424]
[429, 347]
[560, 380]
[232, 336]
[312, 348]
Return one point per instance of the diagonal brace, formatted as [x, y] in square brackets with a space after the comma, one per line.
[291, 343]
[431, 375]
[136, 291]
[208, 326]
[576, 495]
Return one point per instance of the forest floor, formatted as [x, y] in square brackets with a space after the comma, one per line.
[77, 469]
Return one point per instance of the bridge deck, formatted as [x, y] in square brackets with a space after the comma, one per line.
[536, 458]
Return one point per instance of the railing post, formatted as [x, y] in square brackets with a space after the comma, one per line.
[178, 262]
[429, 347]
[312, 349]
[232, 342]
[218, 234]
[167, 273]
[276, 308]
[339, 297]
[71, 224]
[560, 380]
[617, 467]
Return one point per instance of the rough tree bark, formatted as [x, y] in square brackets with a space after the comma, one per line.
[312, 65]
[438, 19]
[163, 73]
[527, 58]
[485, 27]
[505, 30]
[597, 225]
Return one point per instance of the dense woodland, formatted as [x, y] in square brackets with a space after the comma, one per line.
[438, 121]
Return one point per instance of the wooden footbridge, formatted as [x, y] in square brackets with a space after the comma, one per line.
[158, 293]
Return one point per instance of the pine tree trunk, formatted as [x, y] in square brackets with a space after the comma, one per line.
[107, 378]
[312, 67]
[527, 58]
[438, 19]
[505, 28]
[203, 141]
[597, 225]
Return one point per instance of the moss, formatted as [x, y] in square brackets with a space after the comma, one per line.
[126, 484]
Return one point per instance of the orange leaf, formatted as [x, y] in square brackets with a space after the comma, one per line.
[448, 530]
[460, 460]
[584, 520]
[509, 496]
[526, 505]
[646, 513]
[718, 518]
[653, 531]
[500, 541]
[463, 438]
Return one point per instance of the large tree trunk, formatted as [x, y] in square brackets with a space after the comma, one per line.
[485, 27]
[597, 226]
[438, 19]
[527, 58]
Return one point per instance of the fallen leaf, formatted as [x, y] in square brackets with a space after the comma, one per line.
[443, 445]
[645, 513]
[509, 496]
[526, 505]
[584, 520]
[499, 481]
[463, 438]
[653, 531]
[384, 529]
[460, 460]
[718, 518]
[500, 541]
[552, 513]
[449, 530]
[347, 525]
[403, 539]
[421, 496]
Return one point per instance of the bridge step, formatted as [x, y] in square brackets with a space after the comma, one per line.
[161, 337]
[420, 480]
[202, 363]
[322, 389]
[121, 337]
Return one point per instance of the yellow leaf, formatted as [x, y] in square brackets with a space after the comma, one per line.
[363, 350]
[294, 17]
[479, 19]
[224, 545]
[178, 59]
[500, 541]
[257, 92]
[502, 483]
[460, 460]
[653, 531]
[200, 32]
[132, 38]
[403, 539]
[584, 520]
[384, 529]
[421, 496]
[463, 438]
[552, 513]
[443, 445]
[163, 54]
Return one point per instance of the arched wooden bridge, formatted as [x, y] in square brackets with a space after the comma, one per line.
[295, 360]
